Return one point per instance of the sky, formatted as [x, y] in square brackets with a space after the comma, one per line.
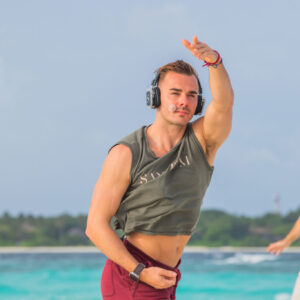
[73, 77]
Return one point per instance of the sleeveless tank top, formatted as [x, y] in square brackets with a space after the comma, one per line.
[165, 193]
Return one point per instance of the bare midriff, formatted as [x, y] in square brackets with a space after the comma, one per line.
[163, 248]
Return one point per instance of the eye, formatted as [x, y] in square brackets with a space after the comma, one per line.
[174, 93]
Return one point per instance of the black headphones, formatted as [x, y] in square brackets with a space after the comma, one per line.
[153, 96]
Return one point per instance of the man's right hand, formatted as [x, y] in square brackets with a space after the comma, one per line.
[158, 278]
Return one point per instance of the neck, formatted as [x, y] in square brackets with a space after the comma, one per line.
[162, 137]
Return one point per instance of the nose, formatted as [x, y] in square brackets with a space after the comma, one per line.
[183, 100]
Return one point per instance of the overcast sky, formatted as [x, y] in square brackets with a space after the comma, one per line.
[73, 76]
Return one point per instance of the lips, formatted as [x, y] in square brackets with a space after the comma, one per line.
[182, 112]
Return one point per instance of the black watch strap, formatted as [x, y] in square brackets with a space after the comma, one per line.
[135, 274]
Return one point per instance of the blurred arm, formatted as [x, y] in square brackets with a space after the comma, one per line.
[292, 236]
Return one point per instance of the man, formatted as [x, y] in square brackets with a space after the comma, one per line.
[154, 180]
[279, 246]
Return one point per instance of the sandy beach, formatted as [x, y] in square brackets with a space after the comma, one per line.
[89, 249]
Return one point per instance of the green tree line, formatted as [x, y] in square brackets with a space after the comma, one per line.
[215, 228]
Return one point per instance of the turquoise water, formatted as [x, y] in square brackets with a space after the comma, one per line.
[209, 276]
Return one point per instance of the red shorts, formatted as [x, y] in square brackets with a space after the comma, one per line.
[116, 284]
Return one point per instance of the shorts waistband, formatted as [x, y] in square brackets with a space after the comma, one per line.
[148, 260]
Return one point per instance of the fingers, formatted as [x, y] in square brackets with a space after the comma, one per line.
[195, 40]
[196, 44]
[187, 44]
[168, 278]
[275, 248]
[166, 282]
[272, 249]
[168, 273]
[159, 278]
[199, 50]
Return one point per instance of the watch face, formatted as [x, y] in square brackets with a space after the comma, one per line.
[134, 276]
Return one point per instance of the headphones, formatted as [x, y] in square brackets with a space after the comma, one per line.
[153, 96]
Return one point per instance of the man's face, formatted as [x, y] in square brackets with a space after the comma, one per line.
[180, 91]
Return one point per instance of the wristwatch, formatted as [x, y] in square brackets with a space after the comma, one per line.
[135, 274]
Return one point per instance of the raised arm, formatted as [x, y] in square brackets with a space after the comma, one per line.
[213, 129]
[293, 235]
[108, 193]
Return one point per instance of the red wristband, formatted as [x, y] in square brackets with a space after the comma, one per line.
[214, 63]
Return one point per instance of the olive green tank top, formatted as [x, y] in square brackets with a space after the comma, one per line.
[165, 193]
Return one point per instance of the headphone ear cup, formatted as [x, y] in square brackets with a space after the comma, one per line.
[200, 99]
[149, 97]
[153, 93]
[153, 97]
[156, 97]
[200, 105]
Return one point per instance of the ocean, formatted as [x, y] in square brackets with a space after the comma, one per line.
[213, 275]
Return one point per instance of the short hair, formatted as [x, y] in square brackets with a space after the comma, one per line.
[179, 66]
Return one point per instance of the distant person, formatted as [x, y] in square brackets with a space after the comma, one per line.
[279, 246]
[153, 181]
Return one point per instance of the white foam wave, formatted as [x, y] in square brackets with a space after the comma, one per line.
[242, 258]
[282, 297]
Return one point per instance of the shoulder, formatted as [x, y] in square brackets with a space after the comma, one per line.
[116, 167]
[134, 136]
[119, 157]
[126, 152]
[133, 141]
[119, 152]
